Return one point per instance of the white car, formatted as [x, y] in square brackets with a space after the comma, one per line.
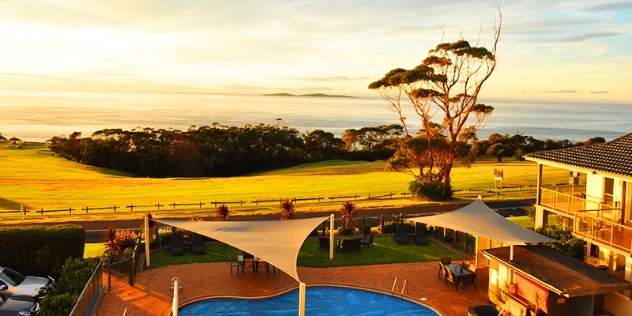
[17, 285]
[10, 306]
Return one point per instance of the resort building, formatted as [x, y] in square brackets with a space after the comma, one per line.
[596, 204]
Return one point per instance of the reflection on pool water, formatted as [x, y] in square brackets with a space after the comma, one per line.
[319, 301]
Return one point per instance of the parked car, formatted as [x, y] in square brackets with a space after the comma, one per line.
[10, 306]
[14, 284]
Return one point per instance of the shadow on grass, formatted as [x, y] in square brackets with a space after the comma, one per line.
[385, 250]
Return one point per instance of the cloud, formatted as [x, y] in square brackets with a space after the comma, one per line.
[583, 37]
[333, 78]
[599, 92]
[559, 91]
[614, 6]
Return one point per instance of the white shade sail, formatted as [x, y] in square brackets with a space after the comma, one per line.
[277, 242]
[478, 219]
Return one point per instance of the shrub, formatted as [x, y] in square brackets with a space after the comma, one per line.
[74, 277]
[564, 242]
[428, 189]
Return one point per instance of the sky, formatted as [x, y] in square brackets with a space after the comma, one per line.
[549, 49]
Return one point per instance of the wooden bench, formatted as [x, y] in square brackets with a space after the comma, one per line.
[351, 244]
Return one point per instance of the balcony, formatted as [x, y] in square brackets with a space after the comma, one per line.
[616, 236]
[593, 220]
[571, 199]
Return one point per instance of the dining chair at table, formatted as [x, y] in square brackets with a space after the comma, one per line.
[442, 272]
[248, 261]
[467, 280]
[234, 264]
[449, 277]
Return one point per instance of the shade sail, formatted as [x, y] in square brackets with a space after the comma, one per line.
[277, 242]
[478, 219]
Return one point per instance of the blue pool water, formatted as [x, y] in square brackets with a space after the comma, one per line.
[319, 301]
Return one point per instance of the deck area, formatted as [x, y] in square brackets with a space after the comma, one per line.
[151, 293]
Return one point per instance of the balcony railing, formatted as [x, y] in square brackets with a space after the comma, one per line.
[571, 199]
[593, 220]
[605, 232]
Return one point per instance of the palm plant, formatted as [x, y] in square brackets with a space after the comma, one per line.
[117, 241]
[222, 213]
[346, 211]
[287, 209]
[109, 241]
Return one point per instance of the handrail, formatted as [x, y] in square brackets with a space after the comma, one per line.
[395, 284]
[404, 288]
[90, 292]
[395, 287]
[569, 204]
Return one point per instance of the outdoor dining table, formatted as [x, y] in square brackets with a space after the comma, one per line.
[255, 262]
[457, 270]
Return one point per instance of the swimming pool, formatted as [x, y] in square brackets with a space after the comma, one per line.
[319, 301]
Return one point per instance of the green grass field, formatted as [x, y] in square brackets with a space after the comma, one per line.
[31, 177]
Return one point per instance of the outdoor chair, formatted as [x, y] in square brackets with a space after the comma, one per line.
[420, 234]
[441, 274]
[264, 264]
[467, 280]
[348, 245]
[323, 243]
[465, 265]
[449, 277]
[472, 268]
[249, 262]
[177, 246]
[367, 240]
[197, 244]
[446, 260]
[234, 264]
[400, 235]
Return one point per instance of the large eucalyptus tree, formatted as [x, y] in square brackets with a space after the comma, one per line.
[443, 91]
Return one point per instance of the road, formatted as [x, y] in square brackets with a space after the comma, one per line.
[95, 230]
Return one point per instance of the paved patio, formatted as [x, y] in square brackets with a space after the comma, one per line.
[151, 293]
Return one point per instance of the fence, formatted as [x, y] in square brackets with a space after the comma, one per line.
[87, 301]
[257, 202]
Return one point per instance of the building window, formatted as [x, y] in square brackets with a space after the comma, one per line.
[608, 191]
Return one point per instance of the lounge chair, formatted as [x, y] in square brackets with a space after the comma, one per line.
[197, 244]
[400, 235]
[348, 245]
[420, 234]
[367, 240]
[323, 243]
[177, 247]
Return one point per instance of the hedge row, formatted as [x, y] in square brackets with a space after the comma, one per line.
[40, 250]
[75, 276]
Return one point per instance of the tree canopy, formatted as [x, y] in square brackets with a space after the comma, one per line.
[443, 91]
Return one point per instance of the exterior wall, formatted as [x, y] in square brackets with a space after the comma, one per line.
[594, 190]
[618, 304]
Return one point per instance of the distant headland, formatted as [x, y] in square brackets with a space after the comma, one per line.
[308, 95]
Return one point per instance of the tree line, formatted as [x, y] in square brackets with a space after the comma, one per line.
[220, 150]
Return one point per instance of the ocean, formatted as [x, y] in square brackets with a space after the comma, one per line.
[41, 115]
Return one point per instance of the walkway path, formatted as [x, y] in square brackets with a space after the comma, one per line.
[151, 293]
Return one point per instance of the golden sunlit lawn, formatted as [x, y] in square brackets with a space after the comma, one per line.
[33, 178]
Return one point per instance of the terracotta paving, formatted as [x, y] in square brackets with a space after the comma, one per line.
[152, 294]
